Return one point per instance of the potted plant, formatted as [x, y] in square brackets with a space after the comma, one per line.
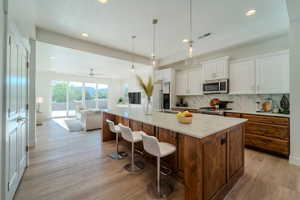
[148, 90]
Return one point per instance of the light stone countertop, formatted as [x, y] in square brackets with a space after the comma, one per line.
[259, 113]
[248, 112]
[203, 125]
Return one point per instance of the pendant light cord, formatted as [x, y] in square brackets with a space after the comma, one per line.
[133, 50]
[154, 22]
[190, 21]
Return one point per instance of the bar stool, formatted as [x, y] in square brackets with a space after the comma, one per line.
[116, 129]
[133, 137]
[159, 149]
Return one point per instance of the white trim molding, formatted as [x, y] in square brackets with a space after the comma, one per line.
[294, 160]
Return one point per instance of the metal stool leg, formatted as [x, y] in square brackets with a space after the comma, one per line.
[134, 166]
[158, 175]
[118, 155]
[160, 188]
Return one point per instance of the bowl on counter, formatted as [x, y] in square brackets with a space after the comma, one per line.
[184, 117]
[185, 120]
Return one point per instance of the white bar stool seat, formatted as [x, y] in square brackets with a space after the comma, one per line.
[132, 137]
[159, 149]
[115, 129]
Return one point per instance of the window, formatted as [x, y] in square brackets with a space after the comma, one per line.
[102, 93]
[59, 98]
[90, 95]
[66, 96]
[75, 96]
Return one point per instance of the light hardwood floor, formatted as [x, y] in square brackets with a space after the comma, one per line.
[75, 166]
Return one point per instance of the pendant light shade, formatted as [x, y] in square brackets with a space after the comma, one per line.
[133, 53]
[153, 57]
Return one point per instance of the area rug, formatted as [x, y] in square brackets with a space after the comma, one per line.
[74, 125]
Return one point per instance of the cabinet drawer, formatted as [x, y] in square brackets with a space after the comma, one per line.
[276, 131]
[267, 119]
[235, 115]
[267, 143]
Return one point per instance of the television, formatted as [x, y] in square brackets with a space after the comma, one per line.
[134, 97]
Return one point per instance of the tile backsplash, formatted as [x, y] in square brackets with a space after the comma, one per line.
[240, 102]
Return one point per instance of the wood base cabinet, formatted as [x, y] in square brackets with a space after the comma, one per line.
[212, 165]
[266, 133]
[209, 167]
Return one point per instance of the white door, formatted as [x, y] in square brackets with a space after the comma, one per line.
[16, 131]
[22, 109]
[242, 77]
[181, 82]
[195, 81]
[273, 73]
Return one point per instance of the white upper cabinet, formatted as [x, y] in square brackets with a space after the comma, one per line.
[216, 69]
[189, 82]
[272, 73]
[164, 75]
[181, 82]
[242, 77]
[195, 82]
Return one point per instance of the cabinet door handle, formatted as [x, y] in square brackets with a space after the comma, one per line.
[223, 141]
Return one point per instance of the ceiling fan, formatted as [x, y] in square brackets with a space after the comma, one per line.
[95, 75]
[92, 74]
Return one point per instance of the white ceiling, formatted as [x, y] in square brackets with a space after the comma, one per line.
[69, 61]
[113, 23]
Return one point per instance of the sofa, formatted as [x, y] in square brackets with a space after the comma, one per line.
[91, 119]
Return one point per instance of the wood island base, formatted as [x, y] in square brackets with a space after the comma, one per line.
[209, 167]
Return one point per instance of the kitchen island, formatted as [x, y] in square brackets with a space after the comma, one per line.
[210, 152]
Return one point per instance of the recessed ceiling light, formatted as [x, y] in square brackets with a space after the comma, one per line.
[250, 12]
[185, 40]
[84, 35]
[103, 1]
[52, 57]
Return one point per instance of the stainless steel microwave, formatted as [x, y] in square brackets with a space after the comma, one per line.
[216, 87]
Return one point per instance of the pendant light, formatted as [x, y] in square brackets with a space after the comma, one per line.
[153, 58]
[133, 53]
[190, 43]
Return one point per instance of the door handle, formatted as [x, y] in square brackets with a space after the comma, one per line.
[20, 119]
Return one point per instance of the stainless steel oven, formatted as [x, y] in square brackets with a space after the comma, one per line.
[216, 87]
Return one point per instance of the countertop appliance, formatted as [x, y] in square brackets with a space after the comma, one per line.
[216, 87]
[213, 111]
[181, 103]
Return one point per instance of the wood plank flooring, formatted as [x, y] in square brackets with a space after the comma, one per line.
[75, 166]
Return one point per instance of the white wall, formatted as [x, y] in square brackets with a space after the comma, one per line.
[23, 14]
[43, 87]
[294, 14]
[2, 44]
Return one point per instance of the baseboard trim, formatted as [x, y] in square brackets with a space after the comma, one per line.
[294, 160]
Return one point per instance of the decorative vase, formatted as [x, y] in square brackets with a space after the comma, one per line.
[148, 106]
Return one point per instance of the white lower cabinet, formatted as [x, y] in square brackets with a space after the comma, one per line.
[189, 82]
[242, 77]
